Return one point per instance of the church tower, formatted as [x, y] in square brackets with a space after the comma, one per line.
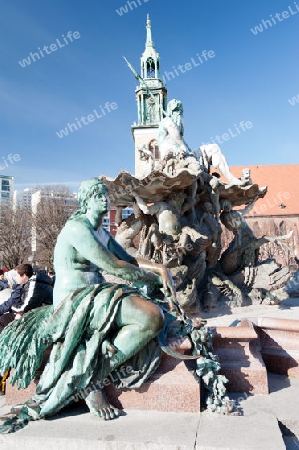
[151, 96]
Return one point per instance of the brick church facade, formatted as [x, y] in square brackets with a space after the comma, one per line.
[278, 212]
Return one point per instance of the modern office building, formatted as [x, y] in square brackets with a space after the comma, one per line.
[109, 220]
[6, 188]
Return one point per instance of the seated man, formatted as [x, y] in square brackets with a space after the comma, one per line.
[3, 282]
[51, 274]
[32, 291]
[10, 276]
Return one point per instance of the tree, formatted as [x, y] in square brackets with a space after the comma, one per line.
[51, 207]
[15, 235]
[30, 231]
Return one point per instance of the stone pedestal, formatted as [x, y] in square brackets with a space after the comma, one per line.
[242, 351]
[171, 388]
[13, 395]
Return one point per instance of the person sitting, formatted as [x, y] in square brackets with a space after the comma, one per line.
[10, 276]
[3, 281]
[51, 274]
[32, 291]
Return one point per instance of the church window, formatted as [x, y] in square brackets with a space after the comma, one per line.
[282, 227]
[150, 68]
[154, 148]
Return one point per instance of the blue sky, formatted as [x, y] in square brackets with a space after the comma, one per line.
[251, 78]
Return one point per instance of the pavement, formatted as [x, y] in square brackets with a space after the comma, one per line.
[287, 309]
[268, 422]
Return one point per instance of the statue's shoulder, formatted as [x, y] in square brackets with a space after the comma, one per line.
[165, 122]
[76, 223]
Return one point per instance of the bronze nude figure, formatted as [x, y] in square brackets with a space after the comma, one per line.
[95, 326]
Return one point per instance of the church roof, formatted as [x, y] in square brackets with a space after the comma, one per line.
[282, 180]
[150, 51]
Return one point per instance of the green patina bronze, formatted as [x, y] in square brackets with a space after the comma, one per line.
[91, 319]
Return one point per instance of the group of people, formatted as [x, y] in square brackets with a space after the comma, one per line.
[3, 280]
[31, 290]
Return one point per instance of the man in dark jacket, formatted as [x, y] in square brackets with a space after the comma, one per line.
[3, 282]
[32, 291]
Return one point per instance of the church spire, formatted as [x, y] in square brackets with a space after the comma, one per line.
[151, 96]
[149, 41]
[150, 59]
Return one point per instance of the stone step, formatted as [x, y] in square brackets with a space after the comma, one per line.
[238, 349]
[284, 392]
[257, 429]
[75, 428]
[78, 429]
[279, 340]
